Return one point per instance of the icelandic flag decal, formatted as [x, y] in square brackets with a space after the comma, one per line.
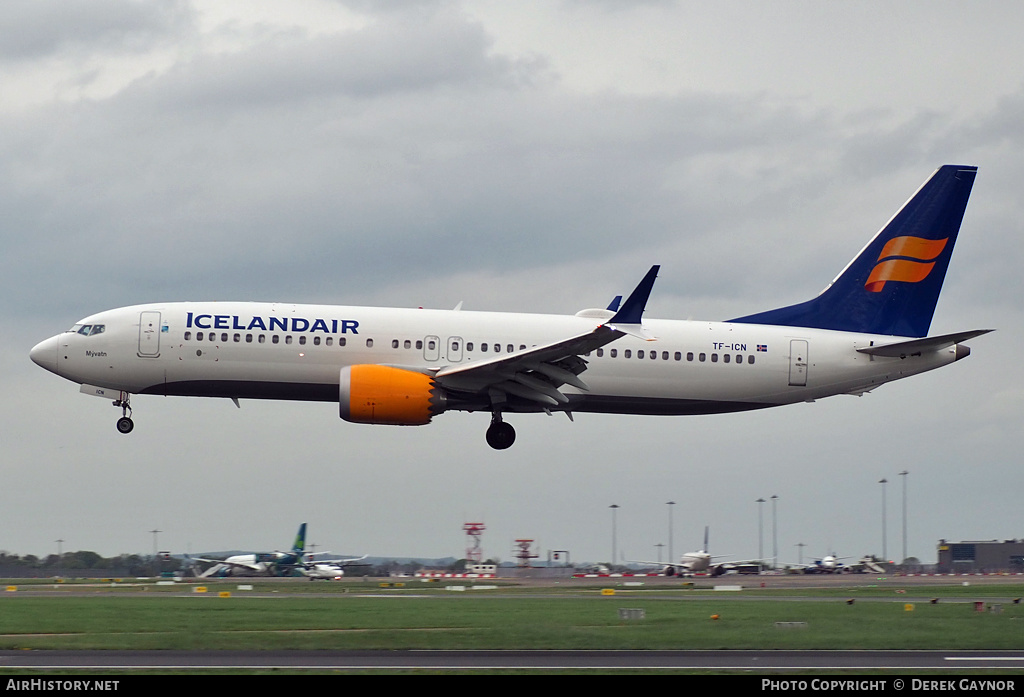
[762, 348]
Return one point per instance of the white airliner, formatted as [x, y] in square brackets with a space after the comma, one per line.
[699, 562]
[260, 563]
[294, 562]
[405, 366]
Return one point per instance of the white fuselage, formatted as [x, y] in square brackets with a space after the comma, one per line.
[283, 351]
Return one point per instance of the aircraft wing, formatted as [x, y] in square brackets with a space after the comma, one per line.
[241, 565]
[339, 562]
[536, 374]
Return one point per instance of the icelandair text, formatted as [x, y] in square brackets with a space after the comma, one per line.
[269, 324]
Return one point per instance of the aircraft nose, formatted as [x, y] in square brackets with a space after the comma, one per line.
[44, 354]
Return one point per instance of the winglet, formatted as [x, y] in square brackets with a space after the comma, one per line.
[632, 310]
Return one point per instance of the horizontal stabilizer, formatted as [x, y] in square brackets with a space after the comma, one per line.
[902, 349]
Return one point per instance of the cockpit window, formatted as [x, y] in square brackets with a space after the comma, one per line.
[88, 329]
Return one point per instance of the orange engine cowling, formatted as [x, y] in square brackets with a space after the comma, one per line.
[379, 394]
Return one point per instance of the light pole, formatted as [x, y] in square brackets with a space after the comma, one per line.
[671, 558]
[904, 474]
[60, 557]
[155, 532]
[760, 530]
[615, 508]
[885, 549]
[775, 533]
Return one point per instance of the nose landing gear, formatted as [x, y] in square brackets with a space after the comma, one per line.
[125, 423]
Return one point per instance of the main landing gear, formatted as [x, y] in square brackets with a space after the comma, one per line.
[125, 423]
[500, 435]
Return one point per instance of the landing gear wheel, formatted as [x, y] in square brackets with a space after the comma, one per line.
[125, 423]
[500, 435]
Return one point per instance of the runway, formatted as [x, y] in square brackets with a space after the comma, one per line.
[755, 662]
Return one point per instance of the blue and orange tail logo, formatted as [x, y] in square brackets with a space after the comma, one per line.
[904, 260]
[893, 285]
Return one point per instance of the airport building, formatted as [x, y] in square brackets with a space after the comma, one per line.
[988, 556]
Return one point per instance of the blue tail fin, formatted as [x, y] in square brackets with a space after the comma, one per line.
[893, 284]
[300, 540]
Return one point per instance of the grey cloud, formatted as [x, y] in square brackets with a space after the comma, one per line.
[34, 29]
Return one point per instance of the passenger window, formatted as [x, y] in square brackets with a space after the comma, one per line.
[419, 345]
[714, 358]
[600, 352]
[188, 336]
[725, 358]
[750, 360]
[394, 343]
[511, 348]
[199, 336]
[262, 339]
[469, 345]
[702, 357]
[276, 339]
[628, 353]
[483, 348]
[316, 341]
[330, 341]
[224, 338]
[640, 353]
[248, 338]
[369, 343]
[237, 338]
[288, 339]
[405, 344]
[302, 340]
[341, 341]
[613, 352]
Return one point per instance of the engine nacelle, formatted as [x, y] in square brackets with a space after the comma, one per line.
[378, 394]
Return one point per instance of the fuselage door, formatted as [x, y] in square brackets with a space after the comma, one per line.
[431, 348]
[454, 349]
[798, 363]
[149, 334]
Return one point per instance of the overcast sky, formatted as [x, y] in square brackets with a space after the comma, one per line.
[527, 156]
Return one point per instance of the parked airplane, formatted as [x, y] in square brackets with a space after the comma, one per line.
[328, 569]
[829, 564]
[405, 366]
[276, 563]
[699, 562]
[261, 563]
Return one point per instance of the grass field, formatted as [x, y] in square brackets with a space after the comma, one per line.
[361, 615]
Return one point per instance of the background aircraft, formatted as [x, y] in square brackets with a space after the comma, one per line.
[291, 563]
[699, 562]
